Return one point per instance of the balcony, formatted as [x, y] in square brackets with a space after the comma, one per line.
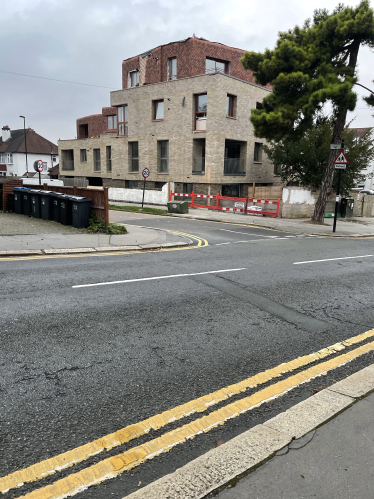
[234, 166]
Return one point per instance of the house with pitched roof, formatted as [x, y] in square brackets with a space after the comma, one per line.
[19, 148]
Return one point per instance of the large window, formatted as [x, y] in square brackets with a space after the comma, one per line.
[258, 152]
[83, 155]
[3, 159]
[134, 156]
[172, 68]
[201, 107]
[163, 156]
[97, 160]
[134, 78]
[231, 106]
[158, 110]
[67, 159]
[214, 66]
[6, 158]
[112, 122]
[122, 120]
[232, 190]
[131, 184]
[108, 158]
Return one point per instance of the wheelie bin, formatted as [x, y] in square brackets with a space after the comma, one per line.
[46, 204]
[35, 203]
[80, 208]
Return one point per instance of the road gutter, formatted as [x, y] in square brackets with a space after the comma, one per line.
[214, 470]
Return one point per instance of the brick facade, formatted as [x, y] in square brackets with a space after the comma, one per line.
[191, 55]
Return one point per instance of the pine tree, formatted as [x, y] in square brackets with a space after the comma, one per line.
[310, 66]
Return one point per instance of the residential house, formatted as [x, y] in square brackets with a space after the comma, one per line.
[367, 170]
[183, 112]
[13, 152]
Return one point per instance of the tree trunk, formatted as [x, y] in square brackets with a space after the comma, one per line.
[326, 186]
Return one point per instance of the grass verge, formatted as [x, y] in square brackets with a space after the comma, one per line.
[138, 209]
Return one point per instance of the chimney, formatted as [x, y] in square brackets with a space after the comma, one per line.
[5, 133]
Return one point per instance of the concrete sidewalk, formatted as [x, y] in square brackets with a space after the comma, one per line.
[321, 447]
[356, 227]
[20, 235]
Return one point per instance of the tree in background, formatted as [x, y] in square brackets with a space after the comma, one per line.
[309, 67]
[303, 160]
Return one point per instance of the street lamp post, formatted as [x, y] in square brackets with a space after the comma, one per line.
[24, 129]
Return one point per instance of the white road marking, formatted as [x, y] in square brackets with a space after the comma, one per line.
[245, 233]
[155, 278]
[333, 259]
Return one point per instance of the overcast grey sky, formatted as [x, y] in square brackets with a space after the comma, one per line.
[86, 41]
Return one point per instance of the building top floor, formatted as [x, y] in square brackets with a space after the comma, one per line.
[183, 59]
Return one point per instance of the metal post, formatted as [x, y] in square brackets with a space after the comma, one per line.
[143, 193]
[24, 131]
[337, 200]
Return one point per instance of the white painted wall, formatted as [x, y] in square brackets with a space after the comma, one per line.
[48, 181]
[136, 195]
[297, 195]
[18, 167]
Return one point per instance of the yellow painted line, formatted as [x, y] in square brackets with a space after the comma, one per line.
[201, 404]
[113, 466]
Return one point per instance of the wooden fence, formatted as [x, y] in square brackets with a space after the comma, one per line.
[7, 188]
[99, 198]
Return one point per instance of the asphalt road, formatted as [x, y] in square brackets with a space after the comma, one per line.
[78, 363]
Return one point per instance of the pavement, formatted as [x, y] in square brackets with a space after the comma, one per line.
[20, 235]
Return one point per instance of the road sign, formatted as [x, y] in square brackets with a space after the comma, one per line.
[339, 166]
[40, 165]
[341, 159]
[146, 173]
[335, 146]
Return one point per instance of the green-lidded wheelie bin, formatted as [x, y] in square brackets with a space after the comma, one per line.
[26, 202]
[65, 209]
[35, 203]
[18, 199]
[46, 204]
[56, 206]
[178, 206]
[80, 209]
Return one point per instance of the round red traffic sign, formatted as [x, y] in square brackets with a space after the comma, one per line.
[40, 165]
[146, 173]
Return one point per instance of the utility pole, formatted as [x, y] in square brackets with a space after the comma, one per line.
[24, 130]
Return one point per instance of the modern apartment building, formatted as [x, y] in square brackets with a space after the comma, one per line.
[183, 112]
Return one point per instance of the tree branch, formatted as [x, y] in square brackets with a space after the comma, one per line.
[366, 88]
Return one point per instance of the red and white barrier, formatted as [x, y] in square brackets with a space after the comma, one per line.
[255, 210]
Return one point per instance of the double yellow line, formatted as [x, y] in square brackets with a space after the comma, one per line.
[112, 466]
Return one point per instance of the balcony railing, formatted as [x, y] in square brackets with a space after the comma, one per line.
[198, 167]
[234, 166]
[67, 164]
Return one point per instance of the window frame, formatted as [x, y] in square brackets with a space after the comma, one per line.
[257, 158]
[169, 69]
[124, 123]
[134, 72]
[81, 155]
[131, 184]
[96, 152]
[132, 158]
[211, 71]
[160, 158]
[233, 106]
[114, 121]
[108, 158]
[10, 158]
[200, 112]
[155, 103]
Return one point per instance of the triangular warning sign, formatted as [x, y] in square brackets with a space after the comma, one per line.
[341, 159]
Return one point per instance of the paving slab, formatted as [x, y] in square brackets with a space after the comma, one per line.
[357, 385]
[304, 417]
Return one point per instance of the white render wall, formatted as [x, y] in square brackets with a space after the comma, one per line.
[136, 195]
[18, 168]
[369, 182]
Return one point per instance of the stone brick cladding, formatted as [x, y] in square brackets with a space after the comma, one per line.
[109, 111]
[191, 55]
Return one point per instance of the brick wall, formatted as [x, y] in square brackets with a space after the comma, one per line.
[97, 124]
[191, 55]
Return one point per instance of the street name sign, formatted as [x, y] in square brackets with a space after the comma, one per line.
[335, 146]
